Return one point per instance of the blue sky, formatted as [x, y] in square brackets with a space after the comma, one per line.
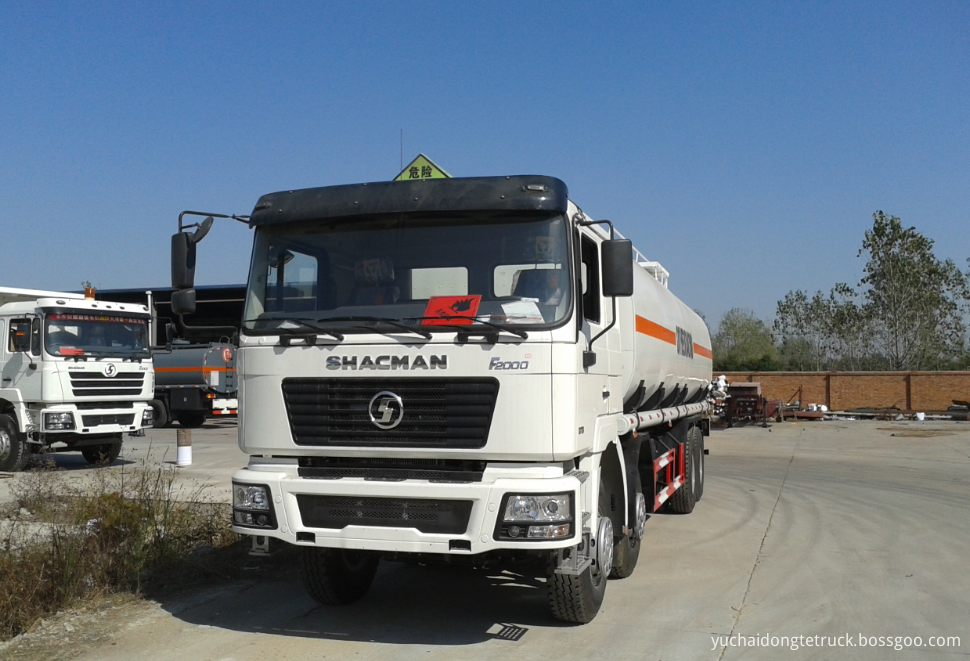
[745, 146]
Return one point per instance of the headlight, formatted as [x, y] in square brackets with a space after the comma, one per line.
[58, 421]
[536, 509]
[147, 418]
[528, 517]
[249, 497]
[251, 506]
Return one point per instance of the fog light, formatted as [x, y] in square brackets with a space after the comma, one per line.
[57, 421]
[548, 532]
[147, 418]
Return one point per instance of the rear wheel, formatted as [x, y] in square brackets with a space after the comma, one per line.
[160, 413]
[577, 598]
[337, 577]
[102, 454]
[14, 452]
[683, 500]
[191, 418]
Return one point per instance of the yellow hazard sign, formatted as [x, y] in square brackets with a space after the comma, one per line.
[422, 168]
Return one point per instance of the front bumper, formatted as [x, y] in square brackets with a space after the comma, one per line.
[486, 500]
[100, 421]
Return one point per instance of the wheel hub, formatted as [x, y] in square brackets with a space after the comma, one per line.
[5, 444]
[604, 546]
[641, 516]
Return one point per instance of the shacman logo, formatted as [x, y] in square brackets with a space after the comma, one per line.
[110, 370]
[386, 410]
[387, 363]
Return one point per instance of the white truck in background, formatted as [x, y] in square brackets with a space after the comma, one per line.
[462, 370]
[76, 375]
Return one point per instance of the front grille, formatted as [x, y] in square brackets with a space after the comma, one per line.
[438, 413]
[434, 470]
[96, 384]
[109, 419]
[426, 515]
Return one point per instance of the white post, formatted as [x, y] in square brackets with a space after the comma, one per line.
[184, 439]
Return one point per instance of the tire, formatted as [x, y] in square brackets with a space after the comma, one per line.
[336, 577]
[160, 412]
[191, 419]
[575, 598]
[698, 463]
[102, 455]
[626, 552]
[684, 499]
[14, 452]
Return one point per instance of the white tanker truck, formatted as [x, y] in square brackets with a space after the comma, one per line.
[462, 370]
[75, 374]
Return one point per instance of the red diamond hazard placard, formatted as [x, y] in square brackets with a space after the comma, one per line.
[451, 310]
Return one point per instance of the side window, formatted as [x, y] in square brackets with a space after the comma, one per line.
[19, 335]
[591, 282]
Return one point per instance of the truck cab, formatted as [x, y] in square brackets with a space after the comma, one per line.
[76, 375]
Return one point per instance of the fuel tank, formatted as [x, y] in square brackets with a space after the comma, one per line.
[671, 359]
[209, 366]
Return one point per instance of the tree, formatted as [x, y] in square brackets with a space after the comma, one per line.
[912, 298]
[850, 327]
[804, 328]
[743, 342]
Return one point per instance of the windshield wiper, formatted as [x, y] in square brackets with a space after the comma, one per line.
[461, 328]
[302, 321]
[385, 320]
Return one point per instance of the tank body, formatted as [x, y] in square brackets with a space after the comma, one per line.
[671, 346]
[209, 366]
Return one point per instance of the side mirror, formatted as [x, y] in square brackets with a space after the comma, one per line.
[183, 261]
[169, 333]
[183, 302]
[618, 267]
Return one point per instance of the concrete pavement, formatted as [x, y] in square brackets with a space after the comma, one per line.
[807, 529]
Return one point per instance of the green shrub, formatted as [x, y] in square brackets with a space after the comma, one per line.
[66, 539]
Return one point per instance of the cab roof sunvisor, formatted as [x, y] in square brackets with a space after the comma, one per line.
[520, 193]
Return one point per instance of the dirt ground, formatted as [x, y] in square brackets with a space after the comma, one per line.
[805, 529]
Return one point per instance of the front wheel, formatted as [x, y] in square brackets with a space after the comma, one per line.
[626, 553]
[336, 577]
[14, 452]
[98, 455]
[160, 413]
[578, 597]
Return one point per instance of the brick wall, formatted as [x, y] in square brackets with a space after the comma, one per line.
[909, 391]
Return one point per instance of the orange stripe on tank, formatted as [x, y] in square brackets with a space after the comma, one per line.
[195, 369]
[701, 351]
[648, 327]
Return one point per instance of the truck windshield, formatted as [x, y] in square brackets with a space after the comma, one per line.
[68, 334]
[428, 272]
